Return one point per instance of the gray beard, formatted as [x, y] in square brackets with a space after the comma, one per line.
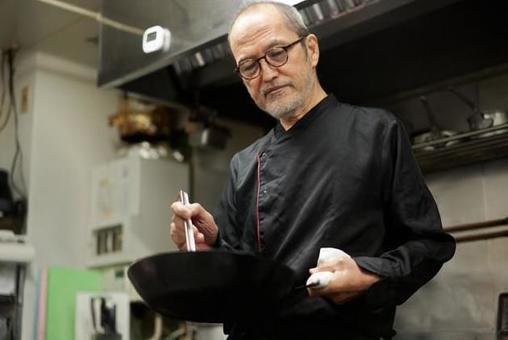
[285, 109]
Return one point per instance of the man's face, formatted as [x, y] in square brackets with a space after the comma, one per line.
[280, 91]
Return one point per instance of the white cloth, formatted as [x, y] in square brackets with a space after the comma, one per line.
[321, 279]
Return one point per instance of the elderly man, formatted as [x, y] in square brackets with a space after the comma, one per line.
[327, 175]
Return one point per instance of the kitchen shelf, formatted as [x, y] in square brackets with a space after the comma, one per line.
[467, 148]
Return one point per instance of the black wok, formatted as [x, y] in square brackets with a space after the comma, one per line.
[211, 286]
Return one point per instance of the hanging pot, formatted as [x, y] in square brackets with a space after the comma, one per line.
[478, 120]
[498, 118]
[482, 119]
[434, 133]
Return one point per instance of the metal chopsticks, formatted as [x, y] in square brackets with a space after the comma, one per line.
[189, 232]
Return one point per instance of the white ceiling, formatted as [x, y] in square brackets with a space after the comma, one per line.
[33, 25]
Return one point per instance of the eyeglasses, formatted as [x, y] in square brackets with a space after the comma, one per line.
[275, 56]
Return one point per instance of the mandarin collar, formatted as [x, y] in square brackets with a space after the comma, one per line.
[312, 114]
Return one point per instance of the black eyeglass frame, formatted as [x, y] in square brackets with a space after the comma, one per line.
[257, 60]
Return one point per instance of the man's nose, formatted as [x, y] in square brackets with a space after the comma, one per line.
[268, 72]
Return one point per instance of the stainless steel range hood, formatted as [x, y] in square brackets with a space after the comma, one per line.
[198, 30]
[192, 23]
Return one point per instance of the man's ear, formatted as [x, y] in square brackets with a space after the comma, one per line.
[313, 49]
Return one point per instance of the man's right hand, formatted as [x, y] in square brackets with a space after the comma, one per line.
[205, 229]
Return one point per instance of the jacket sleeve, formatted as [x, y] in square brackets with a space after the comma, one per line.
[225, 214]
[416, 245]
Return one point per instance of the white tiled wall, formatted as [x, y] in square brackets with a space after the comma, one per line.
[496, 189]
[461, 301]
[462, 298]
[459, 194]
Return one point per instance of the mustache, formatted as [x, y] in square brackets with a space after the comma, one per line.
[272, 87]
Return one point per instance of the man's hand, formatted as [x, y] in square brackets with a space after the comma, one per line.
[348, 280]
[205, 229]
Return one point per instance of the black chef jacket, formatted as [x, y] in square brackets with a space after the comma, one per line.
[343, 176]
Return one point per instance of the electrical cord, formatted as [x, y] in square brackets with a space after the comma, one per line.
[17, 161]
[18, 154]
[2, 100]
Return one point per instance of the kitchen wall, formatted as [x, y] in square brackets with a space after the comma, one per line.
[63, 134]
[461, 302]
[70, 135]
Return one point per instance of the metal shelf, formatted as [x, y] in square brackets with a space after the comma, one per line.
[472, 147]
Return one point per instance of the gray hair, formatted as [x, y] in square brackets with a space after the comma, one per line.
[292, 17]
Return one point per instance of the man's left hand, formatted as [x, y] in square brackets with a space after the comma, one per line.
[348, 281]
